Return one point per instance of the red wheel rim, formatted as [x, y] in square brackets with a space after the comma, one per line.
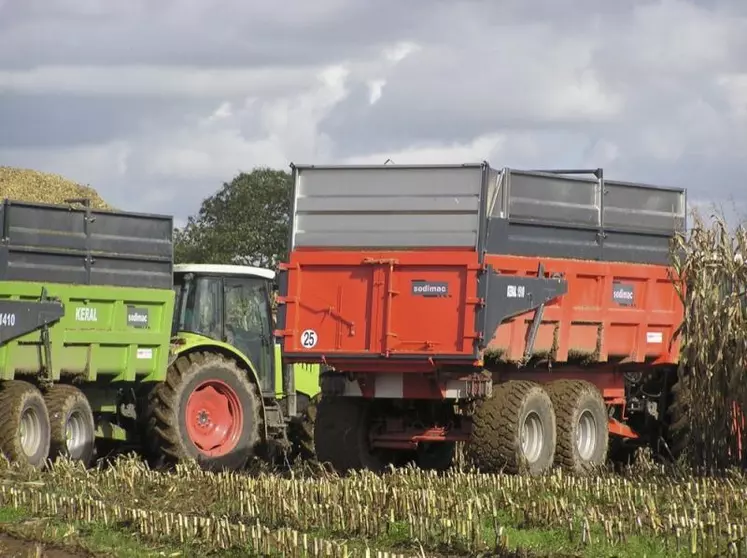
[214, 418]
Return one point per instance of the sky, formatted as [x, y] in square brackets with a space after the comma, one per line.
[156, 104]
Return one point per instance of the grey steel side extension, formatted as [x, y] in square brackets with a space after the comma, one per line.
[530, 213]
[567, 215]
[74, 244]
[388, 206]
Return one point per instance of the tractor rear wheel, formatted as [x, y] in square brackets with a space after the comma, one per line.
[73, 432]
[24, 424]
[583, 433]
[206, 410]
[341, 435]
[514, 430]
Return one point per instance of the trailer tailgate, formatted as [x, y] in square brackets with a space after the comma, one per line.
[344, 304]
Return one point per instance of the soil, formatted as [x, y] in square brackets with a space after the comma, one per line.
[11, 547]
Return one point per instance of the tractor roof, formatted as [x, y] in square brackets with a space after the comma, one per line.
[218, 269]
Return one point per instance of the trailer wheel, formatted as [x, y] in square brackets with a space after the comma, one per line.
[583, 433]
[435, 456]
[206, 410]
[73, 432]
[341, 435]
[514, 430]
[24, 424]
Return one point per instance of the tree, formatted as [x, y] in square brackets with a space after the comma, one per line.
[246, 222]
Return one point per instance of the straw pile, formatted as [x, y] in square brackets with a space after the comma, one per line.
[708, 429]
[33, 186]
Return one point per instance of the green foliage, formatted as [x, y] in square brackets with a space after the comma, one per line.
[246, 222]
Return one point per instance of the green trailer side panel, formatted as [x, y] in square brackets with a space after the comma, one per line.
[306, 376]
[107, 333]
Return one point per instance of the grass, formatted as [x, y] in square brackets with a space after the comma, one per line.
[106, 540]
[96, 538]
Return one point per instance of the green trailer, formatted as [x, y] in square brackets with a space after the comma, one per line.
[103, 337]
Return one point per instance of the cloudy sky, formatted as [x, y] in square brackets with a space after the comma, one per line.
[157, 103]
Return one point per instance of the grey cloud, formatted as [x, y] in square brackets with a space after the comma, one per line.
[133, 106]
[49, 120]
[215, 34]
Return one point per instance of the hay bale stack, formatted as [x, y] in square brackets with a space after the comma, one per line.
[711, 388]
[33, 186]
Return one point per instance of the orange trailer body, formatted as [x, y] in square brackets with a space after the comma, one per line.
[421, 287]
[636, 326]
[364, 312]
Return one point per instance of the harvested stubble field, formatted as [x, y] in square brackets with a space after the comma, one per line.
[188, 512]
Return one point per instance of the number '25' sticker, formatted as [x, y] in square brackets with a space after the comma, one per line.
[309, 339]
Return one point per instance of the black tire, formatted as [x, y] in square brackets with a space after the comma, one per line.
[622, 452]
[168, 437]
[301, 431]
[679, 431]
[496, 441]
[580, 411]
[68, 406]
[341, 435]
[22, 406]
[436, 456]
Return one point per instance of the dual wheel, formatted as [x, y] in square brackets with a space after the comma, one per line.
[529, 428]
[35, 427]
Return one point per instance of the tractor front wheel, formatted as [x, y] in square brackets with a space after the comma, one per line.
[206, 410]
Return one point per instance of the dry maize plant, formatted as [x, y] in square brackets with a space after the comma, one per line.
[711, 279]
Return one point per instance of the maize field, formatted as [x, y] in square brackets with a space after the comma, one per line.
[708, 425]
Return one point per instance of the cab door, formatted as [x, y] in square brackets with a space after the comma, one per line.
[248, 324]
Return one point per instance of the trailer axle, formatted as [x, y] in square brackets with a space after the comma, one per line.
[409, 438]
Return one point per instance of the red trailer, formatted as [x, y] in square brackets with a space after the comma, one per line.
[530, 314]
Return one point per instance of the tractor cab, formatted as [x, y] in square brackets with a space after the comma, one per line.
[229, 304]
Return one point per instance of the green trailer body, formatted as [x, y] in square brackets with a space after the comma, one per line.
[305, 377]
[106, 334]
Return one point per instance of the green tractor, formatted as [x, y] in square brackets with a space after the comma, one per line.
[226, 389]
[103, 339]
